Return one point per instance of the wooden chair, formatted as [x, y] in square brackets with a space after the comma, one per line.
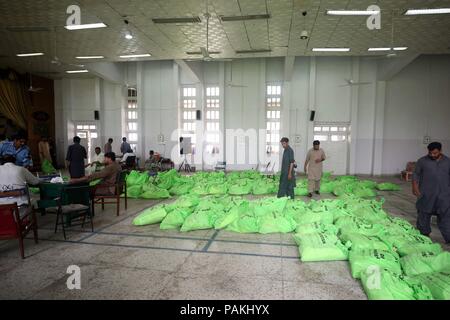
[74, 203]
[15, 225]
[408, 172]
[102, 192]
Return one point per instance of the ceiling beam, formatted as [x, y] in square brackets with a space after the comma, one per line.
[110, 71]
[390, 67]
[288, 67]
[190, 70]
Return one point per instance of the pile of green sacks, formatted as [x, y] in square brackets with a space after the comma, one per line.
[171, 183]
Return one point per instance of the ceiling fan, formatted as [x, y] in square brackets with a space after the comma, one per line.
[393, 52]
[56, 61]
[31, 88]
[351, 82]
[204, 51]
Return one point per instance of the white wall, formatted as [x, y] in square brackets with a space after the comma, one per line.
[388, 119]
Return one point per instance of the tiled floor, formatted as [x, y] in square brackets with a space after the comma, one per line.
[121, 261]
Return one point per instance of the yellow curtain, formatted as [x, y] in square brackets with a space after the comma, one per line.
[14, 101]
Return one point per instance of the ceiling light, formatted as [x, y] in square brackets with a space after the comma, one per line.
[246, 17]
[177, 20]
[400, 48]
[352, 12]
[136, 55]
[128, 35]
[29, 54]
[90, 57]
[412, 12]
[77, 71]
[331, 49]
[379, 49]
[86, 26]
[253, 51]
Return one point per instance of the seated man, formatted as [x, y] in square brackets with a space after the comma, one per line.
[17, 148]
[15, 178]
[97, 161]
[108, 175]
[127, 154]
[150, 163]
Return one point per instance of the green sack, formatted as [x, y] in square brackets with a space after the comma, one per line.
[301, 191]
[136, 178]
[364, 192]
[327, 187]
[272, 224]
[362, 260]
[270, 205]
[309, 217]
[360, 242]
[150, 216]
[187, 201]
[395, 226]
[200, 190]
[174, 219]
[438, 283]
[320, 247]
[381, 284]
[218, 188]
[245, 224]
[227, 218]
[47, 167]
[180, 189]
[367, 184]
[370, 214]
[387, 186]
[315, 227]
[155, 193]
[406, 244]
[360, 226]
[426, 262]
[263, 187]
[134, 191]
[198, 221]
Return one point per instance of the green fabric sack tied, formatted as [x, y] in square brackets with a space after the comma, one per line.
[47, 167]
[150, 216]
[438, 283]
[387, 186]
[426, 262]
[362, 260]
[320, 247]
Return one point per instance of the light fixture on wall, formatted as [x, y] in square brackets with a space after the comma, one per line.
[304, 34]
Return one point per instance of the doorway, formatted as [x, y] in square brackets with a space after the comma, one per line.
[89, 137]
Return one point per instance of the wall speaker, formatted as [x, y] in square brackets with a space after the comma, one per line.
[96, 115]
[198, 115]
[312, 115]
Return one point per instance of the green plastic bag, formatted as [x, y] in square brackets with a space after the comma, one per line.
[380, 284]
[218, 188]
[438, 283]
[134, 191]
[187, 201]
[426, 262]
[387, 186]
[246, 224]
[174, 219]
[273, 224]
[315, 227]
[301, 191]
[362, 260]
[320, 247]
[406, 244]
[198, 221]
[364, 192]
[180, 189]
[309, 217]
[155, 193]
[152, 215]
[360, 226]
[227, 218]
[270, 205]
[200, 190]
[360, 242]
[263, 187]
[136, 178]
[47, 167]
[327, 187]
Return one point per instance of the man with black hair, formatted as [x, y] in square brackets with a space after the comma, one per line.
[314, 167]
[287, 178]
[108, 146]
[75, 158]
[431, 186]
[125, 146]
[108, 174]
[17, 148]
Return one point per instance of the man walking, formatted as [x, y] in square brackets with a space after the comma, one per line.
[314, 167]
[108, 146]
[287, 178]
[431, 186]
[75, 158]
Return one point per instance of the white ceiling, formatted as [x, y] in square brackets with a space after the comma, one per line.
[280, 33]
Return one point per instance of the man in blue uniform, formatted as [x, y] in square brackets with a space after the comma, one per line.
[287, 178]
[17, 148]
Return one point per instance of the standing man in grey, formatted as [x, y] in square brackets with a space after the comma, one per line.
[75, 158]
[431, 186]
[108, 146]
[125, 146]
[287, 178]
[314, 168]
